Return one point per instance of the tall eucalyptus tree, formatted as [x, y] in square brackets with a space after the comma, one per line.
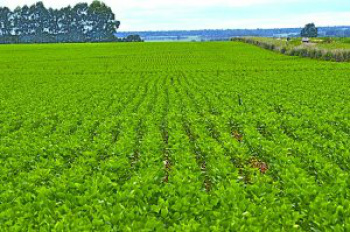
[80, 23]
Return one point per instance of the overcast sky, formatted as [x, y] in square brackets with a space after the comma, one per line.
[216, 14]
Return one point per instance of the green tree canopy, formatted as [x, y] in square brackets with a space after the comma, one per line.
[80, 23]
[309, 30]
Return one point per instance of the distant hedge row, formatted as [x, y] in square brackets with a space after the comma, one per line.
[338, 55]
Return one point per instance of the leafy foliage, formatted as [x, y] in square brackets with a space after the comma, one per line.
[37, 24]
[131, 38]
[309, 30]
[172, 136]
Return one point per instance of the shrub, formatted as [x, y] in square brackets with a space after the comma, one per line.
[283, 50]
[318, 54]
[303, 52]
[339, 56]
[327, 56]
[347, 55]
[312, 53]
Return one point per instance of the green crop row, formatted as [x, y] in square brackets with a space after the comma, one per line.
[172, 137]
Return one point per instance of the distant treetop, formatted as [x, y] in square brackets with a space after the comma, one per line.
[309, 30]
[37, 24]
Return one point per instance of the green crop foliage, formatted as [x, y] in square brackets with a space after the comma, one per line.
[172, 137]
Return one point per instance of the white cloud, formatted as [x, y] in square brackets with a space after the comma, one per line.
[49, 3]
[156, 4]
[320, 19]
[288, 21]
[192, 14]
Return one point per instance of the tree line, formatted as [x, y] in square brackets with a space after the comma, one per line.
[37, 24]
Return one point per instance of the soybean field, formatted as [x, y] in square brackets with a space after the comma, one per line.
[219, 136]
